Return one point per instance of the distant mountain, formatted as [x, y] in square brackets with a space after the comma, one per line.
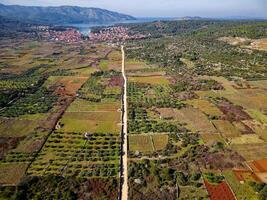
[192, 18]
[62, 14]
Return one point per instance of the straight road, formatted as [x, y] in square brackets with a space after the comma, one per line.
[124, 167]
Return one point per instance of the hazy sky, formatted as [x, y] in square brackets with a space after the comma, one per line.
[165, 8]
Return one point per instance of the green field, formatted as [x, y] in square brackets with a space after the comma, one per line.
[147, 143]
[242, 191]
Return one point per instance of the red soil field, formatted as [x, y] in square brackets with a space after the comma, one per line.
[259, 165]
[220, 191]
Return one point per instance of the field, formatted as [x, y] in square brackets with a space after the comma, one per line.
[147, 143]
[86, 142]
[251, 151]
[17, 127]
[67, 84]
[134, 65]
[243, 175]
[212, 138]
[72, 154]
[159, 141]
[192, 117]
[220, 191]
[206, 107]
[154, 80]
[85, 106]
[247, 139]
[242, 191]
[257, 115]
[188, 192]
[228, 130]
[82, 122]
[140, 143]
[11, 173]
[111, 62]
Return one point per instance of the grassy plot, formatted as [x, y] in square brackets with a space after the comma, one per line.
[251, 151]
[112, 90]
[141, 143]
[242, 191]
[113, 62]
[212, 138]
[32, 143]
[249, 98]
[84, 72]
[262, 84]
[194, 118]
[133, 65]
[153, 80]
[257, 115]
[160, 141]
[115, 56]
[228, 85]
[253, 98]
[94, 122]
[206, 107]
[148, 143]
[83, 105]
[17, 127]
[190, 192]
[259, 128]
[227, 129]
[110, 65]
[70, 83]
[247, 139]
[11, 173]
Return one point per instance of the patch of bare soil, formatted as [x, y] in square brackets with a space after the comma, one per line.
[204, 157]
[8, 143]
[233, 112]
[235, 41]
[96, 189]
[260, 44]
[186, 95]
[156, 192]
[116, 81]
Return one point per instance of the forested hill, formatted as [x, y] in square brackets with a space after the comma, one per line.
[13, 28]
[62, 14]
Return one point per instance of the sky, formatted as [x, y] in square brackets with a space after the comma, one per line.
[165, 8]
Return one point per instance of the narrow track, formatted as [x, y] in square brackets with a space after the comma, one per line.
[124, 151]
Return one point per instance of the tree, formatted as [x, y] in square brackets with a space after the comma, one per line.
[263, 193]
[181, 178]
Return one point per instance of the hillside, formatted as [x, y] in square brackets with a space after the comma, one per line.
[62, 14]
[13, 28]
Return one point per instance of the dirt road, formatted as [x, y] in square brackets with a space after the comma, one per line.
[124, 171]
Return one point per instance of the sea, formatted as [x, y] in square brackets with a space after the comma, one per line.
[86, 28]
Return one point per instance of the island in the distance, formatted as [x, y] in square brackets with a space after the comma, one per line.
[61, 15]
